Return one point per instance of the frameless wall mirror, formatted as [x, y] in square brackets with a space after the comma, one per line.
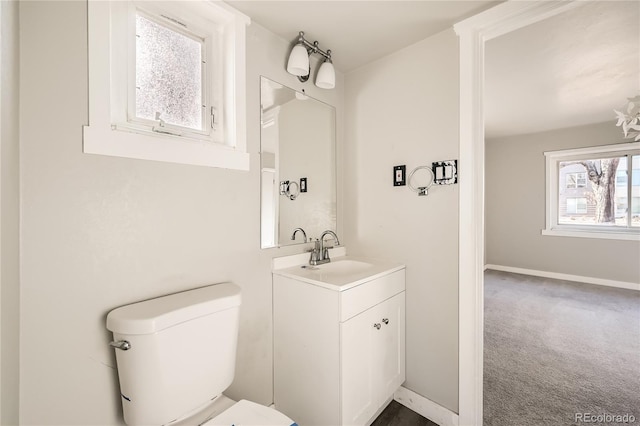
[298, 165]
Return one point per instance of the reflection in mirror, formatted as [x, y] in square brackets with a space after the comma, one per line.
[298, 165]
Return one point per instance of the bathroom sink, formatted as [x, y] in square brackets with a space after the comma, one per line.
[345, 266]
[341, 273]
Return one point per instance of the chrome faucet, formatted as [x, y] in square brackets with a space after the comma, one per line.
[333, 234]
[304, 234]
[320, 253]
[325, 250]
[314, 259]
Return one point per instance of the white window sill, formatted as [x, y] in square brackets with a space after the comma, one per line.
[581, 233]
[167, 148]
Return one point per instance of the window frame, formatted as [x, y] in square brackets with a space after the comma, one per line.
[111, 58]
[553, 159]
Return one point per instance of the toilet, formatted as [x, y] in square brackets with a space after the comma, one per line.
[175, 356]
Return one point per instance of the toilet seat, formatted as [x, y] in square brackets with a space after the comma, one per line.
[247, 413]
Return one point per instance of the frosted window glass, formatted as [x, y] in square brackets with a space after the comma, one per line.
[168, 75]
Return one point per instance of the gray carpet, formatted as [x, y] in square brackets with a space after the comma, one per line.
[555, 348]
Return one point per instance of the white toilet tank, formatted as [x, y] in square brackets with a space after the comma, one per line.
[182, 352]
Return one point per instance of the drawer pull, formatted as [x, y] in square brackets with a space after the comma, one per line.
[385, 320]
[377, 326]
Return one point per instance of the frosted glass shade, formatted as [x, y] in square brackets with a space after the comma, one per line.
[298, 61]
[326, 78]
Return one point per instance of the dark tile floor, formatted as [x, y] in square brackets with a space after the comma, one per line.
[397, 414]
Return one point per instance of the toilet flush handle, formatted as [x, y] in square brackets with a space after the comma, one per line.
[121, 344]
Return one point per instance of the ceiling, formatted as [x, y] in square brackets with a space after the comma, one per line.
[569, 70]
[361, 31]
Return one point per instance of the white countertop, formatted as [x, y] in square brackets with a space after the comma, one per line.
[342, 273]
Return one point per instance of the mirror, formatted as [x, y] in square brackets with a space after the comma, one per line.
[297, 165]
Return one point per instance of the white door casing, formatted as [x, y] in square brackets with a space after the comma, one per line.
[473, 33]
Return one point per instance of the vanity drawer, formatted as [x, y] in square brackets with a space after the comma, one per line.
[368, 294]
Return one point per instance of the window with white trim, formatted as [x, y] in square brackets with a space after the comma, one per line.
[576, 205]
[576, 180]
[594, 192]
[167, 82]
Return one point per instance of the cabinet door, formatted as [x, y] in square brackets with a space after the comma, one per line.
[372, 359]
[358, 339]
[390, 347]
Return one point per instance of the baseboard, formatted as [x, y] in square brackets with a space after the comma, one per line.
[566, 277]
[425, 407]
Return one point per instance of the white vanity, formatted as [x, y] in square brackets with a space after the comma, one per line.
[339, 338]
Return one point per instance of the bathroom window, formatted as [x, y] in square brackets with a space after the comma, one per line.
[594, 192]
[167, 82]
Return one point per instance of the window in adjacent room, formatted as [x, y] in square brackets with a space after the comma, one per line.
[594, 192]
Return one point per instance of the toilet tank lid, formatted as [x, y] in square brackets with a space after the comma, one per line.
[151, 316]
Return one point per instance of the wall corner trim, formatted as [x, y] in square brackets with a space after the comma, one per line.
[425, 407]
[566, 277]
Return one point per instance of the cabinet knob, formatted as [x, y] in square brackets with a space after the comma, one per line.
[385, 320]
[377, 326]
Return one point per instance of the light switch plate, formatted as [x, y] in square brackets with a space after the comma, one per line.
[400, 175]
[445, 172]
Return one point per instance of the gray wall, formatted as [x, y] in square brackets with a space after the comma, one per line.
[9, 215]
[515, 209]
[100, 232]
[403, 109]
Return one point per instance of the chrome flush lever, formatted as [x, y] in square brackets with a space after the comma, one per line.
[121, 344]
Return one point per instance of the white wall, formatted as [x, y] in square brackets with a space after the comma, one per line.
[100, 232]
[403, 109]
[9, 215]
[515, 209]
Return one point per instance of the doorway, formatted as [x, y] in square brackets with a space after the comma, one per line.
[473, 34]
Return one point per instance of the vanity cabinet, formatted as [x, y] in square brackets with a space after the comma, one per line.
[339, 353]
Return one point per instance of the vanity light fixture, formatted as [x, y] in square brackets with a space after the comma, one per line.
[298, 63]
